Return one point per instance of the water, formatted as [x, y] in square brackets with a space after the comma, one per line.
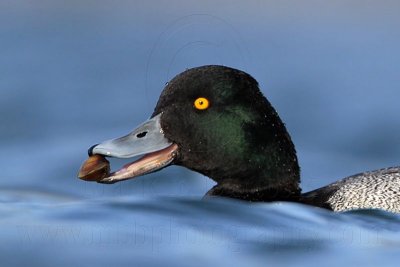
[74, 74]
[126, 231]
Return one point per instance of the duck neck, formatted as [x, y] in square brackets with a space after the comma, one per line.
[272, 175]
[268, 194]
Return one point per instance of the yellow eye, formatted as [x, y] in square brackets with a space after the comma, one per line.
[201, 103]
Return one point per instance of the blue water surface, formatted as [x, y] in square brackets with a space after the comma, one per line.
[74, 73]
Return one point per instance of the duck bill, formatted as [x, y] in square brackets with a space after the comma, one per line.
[147, 140]
[147, 164]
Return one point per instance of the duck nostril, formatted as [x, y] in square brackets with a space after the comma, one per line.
[90, 150]
[141, 135]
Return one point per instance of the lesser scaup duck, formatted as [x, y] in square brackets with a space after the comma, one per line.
[214, 120]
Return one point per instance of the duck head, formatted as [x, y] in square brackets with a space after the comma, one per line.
[213, 120]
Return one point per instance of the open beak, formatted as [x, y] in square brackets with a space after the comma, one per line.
[147, 139]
